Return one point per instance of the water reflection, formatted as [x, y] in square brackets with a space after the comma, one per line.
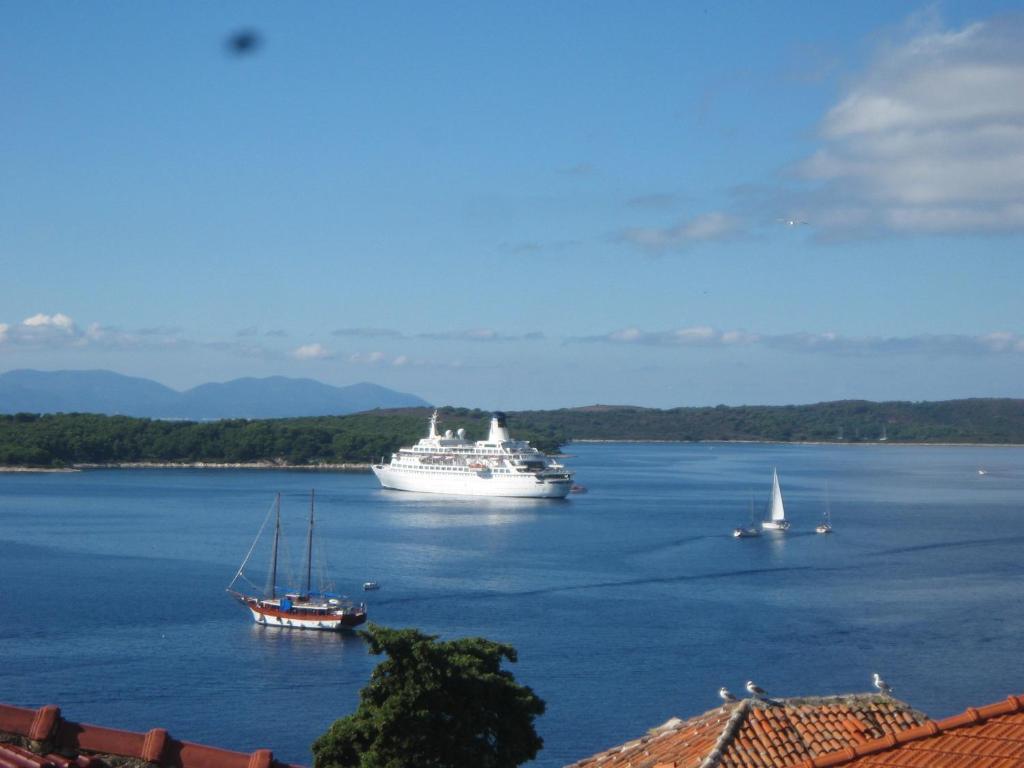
[275, 641]
[431, 510]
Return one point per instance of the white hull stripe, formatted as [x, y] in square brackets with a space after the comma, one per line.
[471, 484]
[278, 621]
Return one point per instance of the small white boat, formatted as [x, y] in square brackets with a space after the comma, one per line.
[982, 471]
[825, 526]
[776, 510]
[369, 586]
[747, 531]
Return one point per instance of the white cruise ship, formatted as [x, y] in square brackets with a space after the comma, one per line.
[497, 466]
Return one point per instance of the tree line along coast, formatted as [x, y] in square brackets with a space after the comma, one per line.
[70, 439]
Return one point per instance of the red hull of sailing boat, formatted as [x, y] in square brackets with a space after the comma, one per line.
[299, 609]
[335, 619]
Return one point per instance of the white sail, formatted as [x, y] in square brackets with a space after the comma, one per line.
[778, 512]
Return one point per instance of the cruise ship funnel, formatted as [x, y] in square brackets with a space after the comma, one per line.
[499, 428]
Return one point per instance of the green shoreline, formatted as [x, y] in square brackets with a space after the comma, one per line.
[350, 443]
[268, 465]
[364, 467]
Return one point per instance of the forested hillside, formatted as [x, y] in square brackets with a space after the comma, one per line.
[950, 421]
[68, 439]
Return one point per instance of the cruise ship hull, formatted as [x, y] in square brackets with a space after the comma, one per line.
[472, 484]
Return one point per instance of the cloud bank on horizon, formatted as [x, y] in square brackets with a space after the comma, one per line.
[995, 343]
[60, 330]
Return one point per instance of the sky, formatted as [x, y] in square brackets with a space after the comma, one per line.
[519, 205]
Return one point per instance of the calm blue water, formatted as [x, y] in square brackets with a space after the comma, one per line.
[628, 604]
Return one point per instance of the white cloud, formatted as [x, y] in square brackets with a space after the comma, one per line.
[381, 359]
[997, 343]
[371, 358]
[703, 228]
[59, 320]
[480, 334]
[311, 352]
[473, 334]
[694, 336]
[928, 139]
[368, 333]
[43, 330]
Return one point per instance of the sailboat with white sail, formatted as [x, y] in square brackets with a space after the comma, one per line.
[776, 520]
[825, 526]
[302, 608]
[750, 530]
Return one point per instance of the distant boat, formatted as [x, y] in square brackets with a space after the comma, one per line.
[369, 586]
[776, 510]
[750, 530]
[825, 526]
[298, 609]
[982, 471]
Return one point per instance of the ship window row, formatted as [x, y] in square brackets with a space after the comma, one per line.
[451, 469]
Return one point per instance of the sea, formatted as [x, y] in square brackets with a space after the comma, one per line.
[628, 604]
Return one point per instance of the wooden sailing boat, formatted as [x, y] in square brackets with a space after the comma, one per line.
[776, 509]
[298, 609]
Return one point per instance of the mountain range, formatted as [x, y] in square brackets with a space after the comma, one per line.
[28, 391]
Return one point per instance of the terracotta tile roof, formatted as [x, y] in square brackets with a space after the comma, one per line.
[988, 737]
[756, 734]
[41, 738]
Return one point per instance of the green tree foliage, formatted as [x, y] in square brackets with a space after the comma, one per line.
[75, 438]
[435, 704]
[994, 420]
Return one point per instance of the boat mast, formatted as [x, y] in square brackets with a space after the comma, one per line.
[309, 542]
[272, 586]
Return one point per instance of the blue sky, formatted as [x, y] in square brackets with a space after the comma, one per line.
[523, 205]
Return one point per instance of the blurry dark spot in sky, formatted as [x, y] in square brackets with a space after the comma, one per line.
[244, 42]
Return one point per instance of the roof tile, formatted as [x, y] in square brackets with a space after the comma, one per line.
[758, 734]
[984, 737]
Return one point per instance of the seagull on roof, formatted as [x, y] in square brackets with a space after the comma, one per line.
[725, 695]
[881, 685]
[755, 690]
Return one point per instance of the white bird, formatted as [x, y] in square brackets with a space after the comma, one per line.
[881, 685]
[724, 694]
[754, 690]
